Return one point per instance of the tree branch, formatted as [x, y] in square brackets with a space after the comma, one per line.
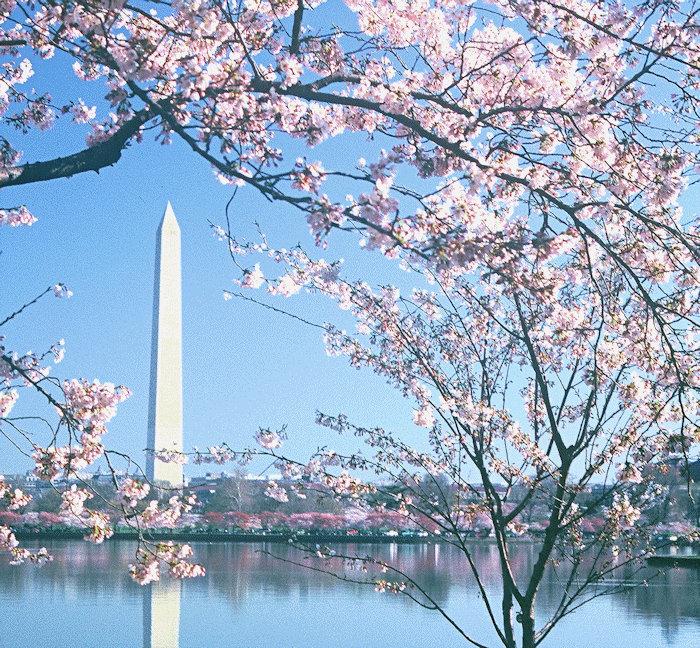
[90, 159]
[296, 29]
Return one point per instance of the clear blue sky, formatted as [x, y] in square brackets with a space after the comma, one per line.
[244, 366]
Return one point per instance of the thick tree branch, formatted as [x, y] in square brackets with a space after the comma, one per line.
[90, 159]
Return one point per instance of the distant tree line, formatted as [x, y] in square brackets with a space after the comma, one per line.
[240, 503]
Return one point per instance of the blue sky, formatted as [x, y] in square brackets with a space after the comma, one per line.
[244, 366]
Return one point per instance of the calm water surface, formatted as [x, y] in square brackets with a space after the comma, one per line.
[251, 600]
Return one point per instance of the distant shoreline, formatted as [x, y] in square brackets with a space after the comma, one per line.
[689, 561]
[309, 537]
[242, 536]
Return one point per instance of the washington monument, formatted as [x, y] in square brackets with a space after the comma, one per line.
[165, 396]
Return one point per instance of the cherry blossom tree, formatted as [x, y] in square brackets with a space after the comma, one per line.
[527, 161]
[529, 398]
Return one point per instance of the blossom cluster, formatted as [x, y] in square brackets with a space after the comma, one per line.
[8, 542]
[87, 408]
[131, 492]
[146, 569]
[394, 587]
[156, 516]
[214, 454]
[171, 456]
[269, 439]
[276, 492]
[17, 216]
[12, 498]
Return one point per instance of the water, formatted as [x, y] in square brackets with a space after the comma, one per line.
[251, 600]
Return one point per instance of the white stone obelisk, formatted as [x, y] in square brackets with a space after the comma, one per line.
[165, 397]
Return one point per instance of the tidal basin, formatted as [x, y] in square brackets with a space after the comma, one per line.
[249, 599]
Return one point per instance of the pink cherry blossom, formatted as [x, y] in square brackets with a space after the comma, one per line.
[253, 279]
[131, 492]
[276, 492]
[16, 217]
[61, 291]
[269, 439]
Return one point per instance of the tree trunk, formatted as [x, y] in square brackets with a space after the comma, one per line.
[507, 608]
[527, 618]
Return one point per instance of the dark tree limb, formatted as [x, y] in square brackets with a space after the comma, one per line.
[90, 159]
[296, 28]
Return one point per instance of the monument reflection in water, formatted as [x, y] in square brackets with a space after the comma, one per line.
[161, 614]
